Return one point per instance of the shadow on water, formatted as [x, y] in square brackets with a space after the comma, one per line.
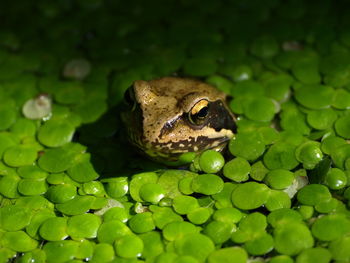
[111, 153]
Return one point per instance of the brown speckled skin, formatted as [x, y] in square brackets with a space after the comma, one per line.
[159, 123]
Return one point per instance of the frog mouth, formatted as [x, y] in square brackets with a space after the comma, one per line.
[219, 144]
[199, 144]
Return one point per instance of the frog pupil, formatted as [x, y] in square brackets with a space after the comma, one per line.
[202, 113]
[199, 117]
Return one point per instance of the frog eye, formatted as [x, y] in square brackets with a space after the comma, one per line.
[129, 98]
[199, 112]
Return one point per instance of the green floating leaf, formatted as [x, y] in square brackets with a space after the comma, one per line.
[281, 259]
[340, 154]
[18, 241]
[281, 156]
[277, 200]
[341, 99]
[152, 192]
[24, 128]
[20, 155]
[220, 83]
[6, 140]
[321, 119]
[207, 184]
[198, 246]
[36, 255]
[7, 117]
[342, 126]
[306, 71]
[61, 251]
[315, 96]
[319, 254]
[306, 211]
[336, 179]
[223, 199]
[91, 109]
[283, 216]
[129, 246]
[153, 244]
[55, 133]
[61, 193]
[211, 161]
[340, 248]
[247, 88]
[142, 223]
[228, 214]
[83, 226]
[56, 160]
[103, 252]
[110, 231]
[260, 109]
[294, 120]
[118, 187]
[183, 204]
[228, 255]
[309, 154]
[78, 205]
[54, 229]
[279, 178]
[331, 227]
[278, 87]
[258, 171]
[32, 186]
[94, 188]
[32, 172]
[14, 217]
[69, 92]
[247, 145]
[250, 195]
[82, 172]
[169, 180]
[292, 238]
[331, 143]
[9, 186]
[199, 215]
[138, 180]
[313, 194]
[164, 215]
[177, 229]
[237, 169]
[33, 228]
[260, 245]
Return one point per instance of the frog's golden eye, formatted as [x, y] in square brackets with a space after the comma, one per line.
[129, 98]
[199, 112]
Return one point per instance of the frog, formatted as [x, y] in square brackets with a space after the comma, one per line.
[170, 116]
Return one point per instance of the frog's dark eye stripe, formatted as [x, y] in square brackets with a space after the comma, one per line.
[129, 97]
[199, 112]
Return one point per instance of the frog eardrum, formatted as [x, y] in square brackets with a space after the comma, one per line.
[170, 116]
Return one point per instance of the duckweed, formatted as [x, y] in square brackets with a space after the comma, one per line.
[250, 195]
[129, 246]
[141, 223]
[54, 229]
[174, 230]
[207, 184]
[83, 226]
[73, 190]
